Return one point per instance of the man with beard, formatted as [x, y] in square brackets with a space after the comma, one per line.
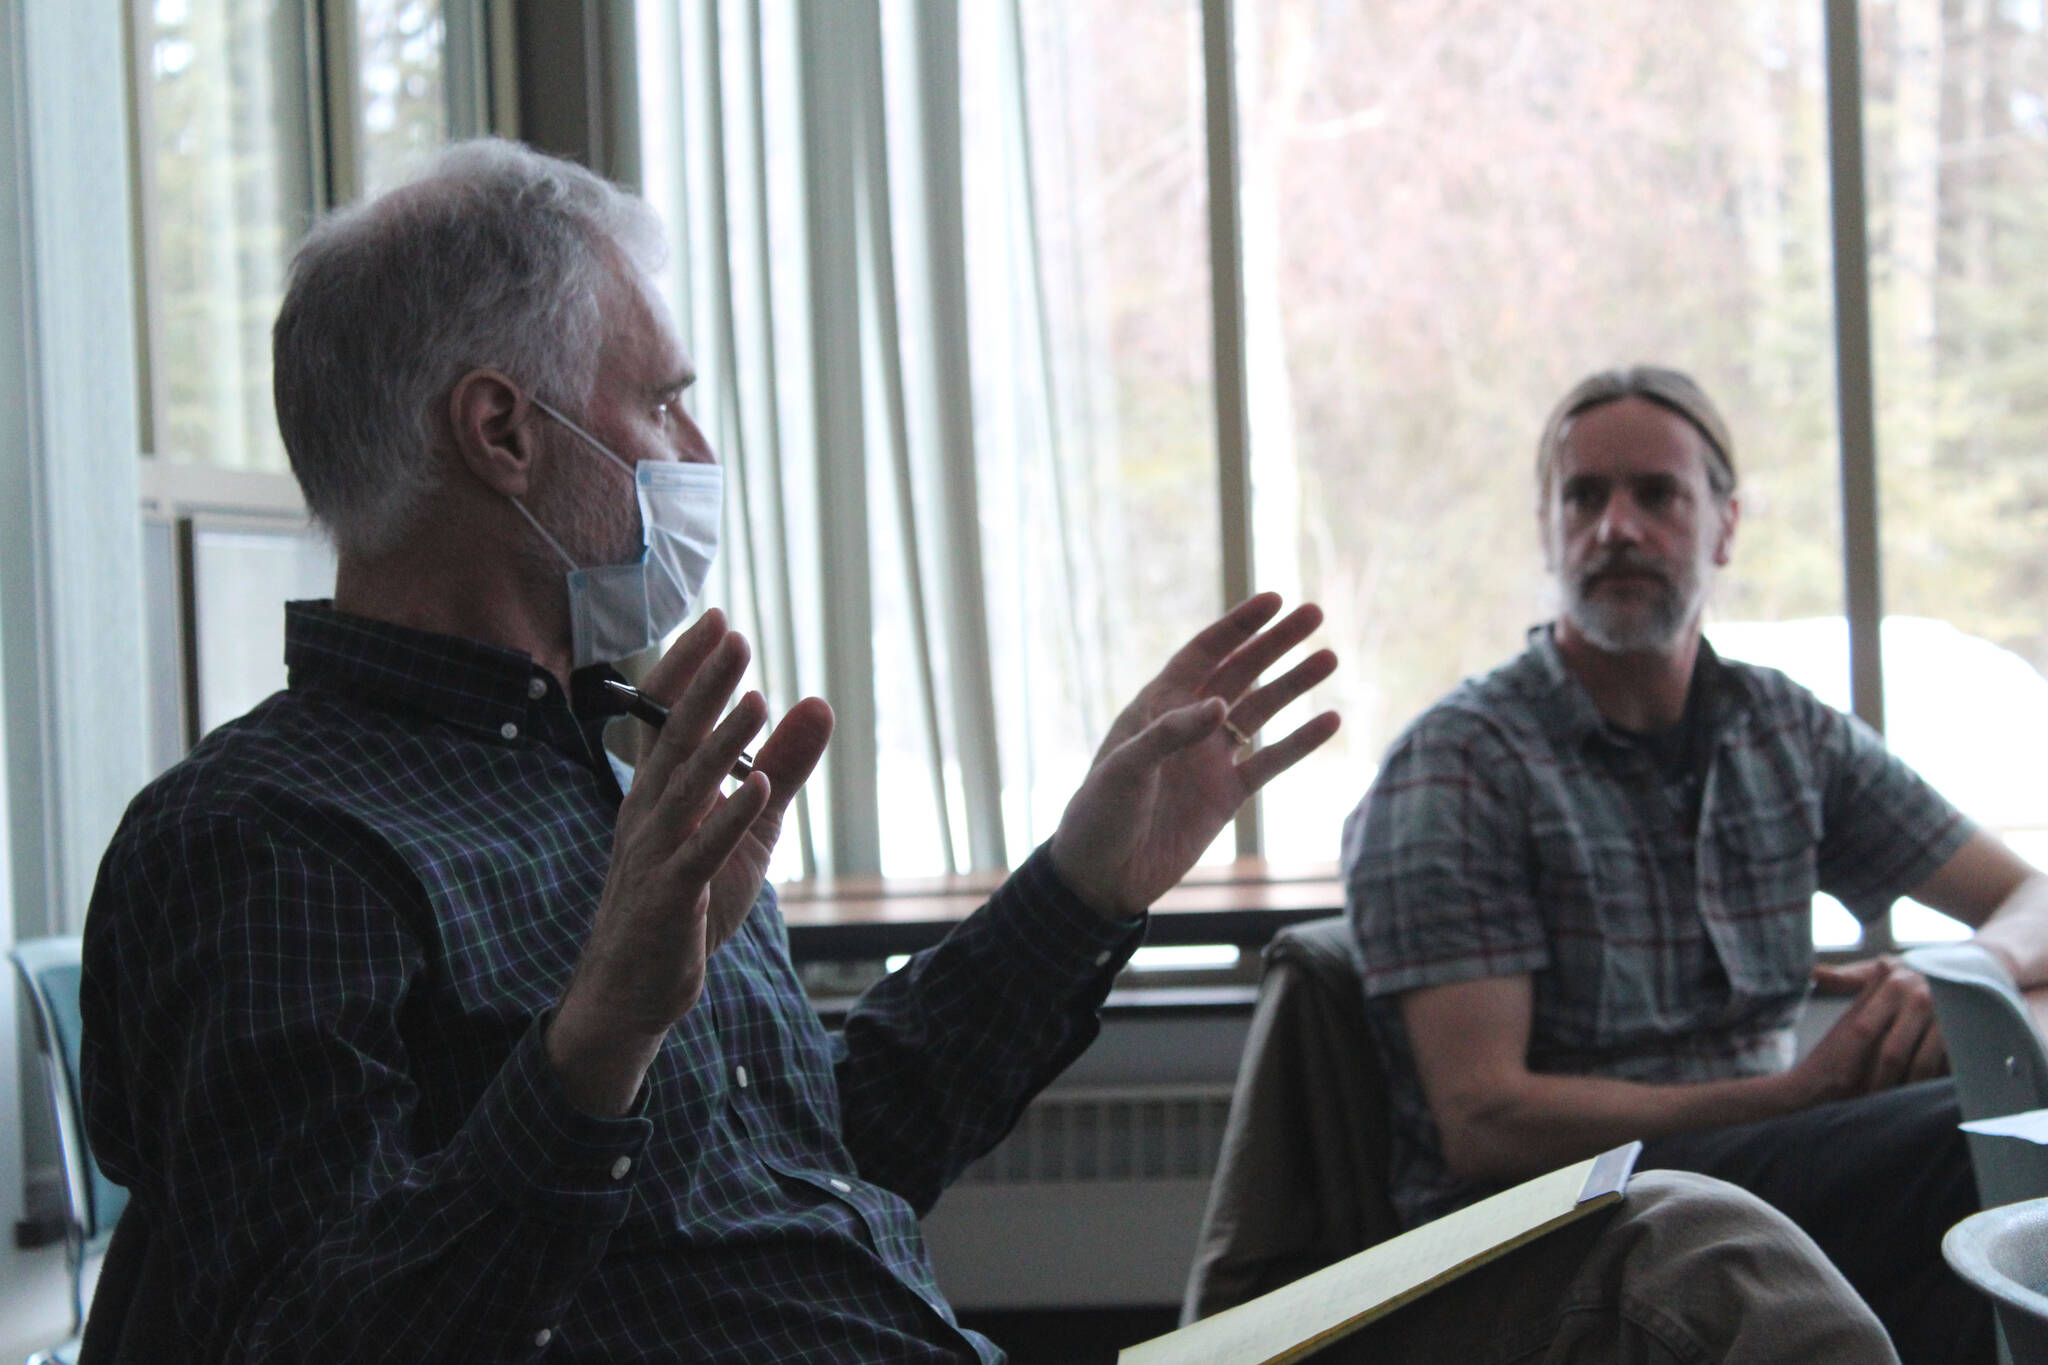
[421, 1029]
[1583, 888]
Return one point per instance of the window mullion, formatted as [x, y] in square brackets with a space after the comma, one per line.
[337, 106]
[466, 57]
[827, 70]
[1854, 387]
[1226, 291]
[1855, 391]
[144, 227]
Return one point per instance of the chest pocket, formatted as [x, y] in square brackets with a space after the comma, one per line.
[1629, 952]
[1759, 869]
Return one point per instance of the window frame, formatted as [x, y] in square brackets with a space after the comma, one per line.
[497, 80]
[481, 91]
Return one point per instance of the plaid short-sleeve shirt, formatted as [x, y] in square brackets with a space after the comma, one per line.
[1512, 830]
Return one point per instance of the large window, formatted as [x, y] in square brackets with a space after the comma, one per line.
[1444, 214]
[399, 50]
[1089, 290]
[1956, 103]
[1453, 212]
[227, 175]
[251, 116]
[1440, 214]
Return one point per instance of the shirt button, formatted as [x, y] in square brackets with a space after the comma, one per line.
[509, 730]
[621, 1166]
[1100, 957]
[739, 1074]
[536, 688]
[840, 1185]
[543, 1337]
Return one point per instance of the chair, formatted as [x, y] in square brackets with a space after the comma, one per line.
[1998, 1060]
[1301, 1179]
[49, 969]
[2004, 1252]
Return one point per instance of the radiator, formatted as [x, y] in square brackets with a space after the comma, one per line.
[1094, 1200]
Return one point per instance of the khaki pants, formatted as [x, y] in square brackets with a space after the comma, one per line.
[1877, 1182]
[1685, 1269]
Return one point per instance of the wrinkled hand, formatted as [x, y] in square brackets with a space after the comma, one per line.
[787, 759]
[1888, 1035]
[1170, 775]
[686, 864]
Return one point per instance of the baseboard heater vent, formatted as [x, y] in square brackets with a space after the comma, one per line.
[1125, 1134]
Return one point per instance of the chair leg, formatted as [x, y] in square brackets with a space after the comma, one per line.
[74, 1262]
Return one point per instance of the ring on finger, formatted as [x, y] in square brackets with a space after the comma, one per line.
[1244, 741]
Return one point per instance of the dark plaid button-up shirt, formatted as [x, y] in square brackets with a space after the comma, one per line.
[1511, 830]
[318, 963]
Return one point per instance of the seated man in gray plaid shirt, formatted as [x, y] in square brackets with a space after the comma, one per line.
[1583, 885]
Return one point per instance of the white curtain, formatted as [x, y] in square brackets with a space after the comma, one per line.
[810, 159]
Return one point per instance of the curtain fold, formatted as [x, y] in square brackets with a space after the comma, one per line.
[829, 284]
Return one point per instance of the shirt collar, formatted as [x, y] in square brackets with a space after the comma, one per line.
[472, 685]
[1568, 710]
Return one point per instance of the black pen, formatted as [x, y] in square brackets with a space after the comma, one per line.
[643, 707]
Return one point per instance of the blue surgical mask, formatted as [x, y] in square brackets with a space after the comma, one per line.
[616, 610]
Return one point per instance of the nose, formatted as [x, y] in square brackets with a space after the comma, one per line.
[1620, 520]
[691, 445]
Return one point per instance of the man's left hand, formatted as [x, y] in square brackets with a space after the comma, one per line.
[1171, 773]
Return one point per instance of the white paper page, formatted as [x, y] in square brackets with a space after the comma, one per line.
[2031, 1124]
[1297, 1318]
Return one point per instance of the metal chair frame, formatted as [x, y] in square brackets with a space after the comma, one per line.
[45, 966]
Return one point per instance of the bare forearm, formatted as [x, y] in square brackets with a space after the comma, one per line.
[1535, 1122]
[2017, 932]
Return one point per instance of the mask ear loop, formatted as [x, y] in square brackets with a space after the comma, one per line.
[553, 544]
[600, 447]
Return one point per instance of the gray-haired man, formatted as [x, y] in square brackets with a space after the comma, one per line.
[422, 1031]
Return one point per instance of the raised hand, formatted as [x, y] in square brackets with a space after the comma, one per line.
[787, 759]
[1176, 765]
[686, 864]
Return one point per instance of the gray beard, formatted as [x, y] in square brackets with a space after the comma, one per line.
[1633, 628]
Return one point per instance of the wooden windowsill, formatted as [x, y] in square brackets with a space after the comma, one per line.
[1243, 903]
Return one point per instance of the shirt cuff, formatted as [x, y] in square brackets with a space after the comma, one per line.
[1051, 930]
[545, 1156]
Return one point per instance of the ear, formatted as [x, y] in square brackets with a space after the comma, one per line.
[1724, 540]
[493, 429]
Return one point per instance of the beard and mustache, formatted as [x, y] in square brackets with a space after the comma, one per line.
[1640, 623]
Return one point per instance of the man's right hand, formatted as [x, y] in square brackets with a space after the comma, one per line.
[643, 966]
[1887, 1035]
[786, 758]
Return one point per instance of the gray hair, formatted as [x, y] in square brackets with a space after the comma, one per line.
[1670, 389]
[494, 257]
